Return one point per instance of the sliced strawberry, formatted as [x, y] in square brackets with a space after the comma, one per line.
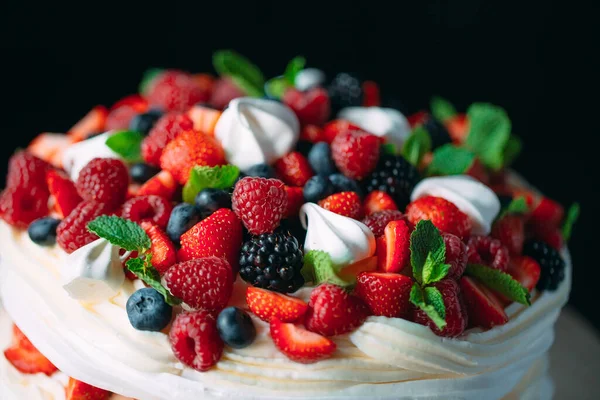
[456, 313]
[312, 134]
[163, 251]
[123, 111]
[49, 147]
[393, 247]
[93, 122]
[458, 128]
[162, 184]
[548, 213]
[300, 345]
[266, 305]
[525, 270]
[345, 203]
[350, 272]
[337, 126]
[294, 169]
[483, 307]
[25, 357]
[386, 294]
[378, 200]
[510, 231]
[63, 190]
[204, 118]
[295, 198]
[78, 390]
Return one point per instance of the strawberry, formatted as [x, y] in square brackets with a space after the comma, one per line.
[418, 118]
[63, 191]
[294, 169]
[295, 200]
[174, 90]
[487, 251]
[350, 272]
[154, 209]
[552, 236]
[345, 203]
[378, 200]
[442, 213]
[484, 308]
[260, 203]
[266, 305]
[379, 220]
[478, 171]
[93, 122]
[371, 95]
[298, 344]
[204, 118]
[547, 213]
[224, 90]
[456, 314]
[393, 247]
[355, 153]
[311, 106]
[333, 311]
[163, 251]
[510, 231]
[386, 294]
[49, 147]
[123, 111]
[456, 255]
[195, 339]
[205, 81]
[167, 128]
[458, 128]
[162, 184]
[525, 270]
[335, 127]
[25, 357]
[103, 180]
[78, 390]
[204, 283]
[218, 235]
[312, 134]
[189, 149]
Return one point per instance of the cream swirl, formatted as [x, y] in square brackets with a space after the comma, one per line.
[387, 123]
[77, 155]
[309, 78]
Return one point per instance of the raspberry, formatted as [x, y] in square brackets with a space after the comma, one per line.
[201, 283]
[379, 220]
[103, 180]
[355, 153]
[26, 170]
[456, 314]
[195, 340]
[456, 255]
[151, 208]
[166, 129]
[175, 91]
[487, 251]
[19, 206]
[72, 233]
[260, 203]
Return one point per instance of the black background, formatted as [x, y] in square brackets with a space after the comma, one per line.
[533, 59]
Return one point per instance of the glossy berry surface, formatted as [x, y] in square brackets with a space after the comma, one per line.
[318, 187]
[167, 128]
[395, 176]
[72, 232]
[456, 312]
[43, 231]
[236, 328]
[144, 122]
[142, 172]
[148, 311]
[210, 200]
[551, 263]
[183, 217]
[260, 203]
[261, 171]
[150, 208]
[103, 180]
[319, 158]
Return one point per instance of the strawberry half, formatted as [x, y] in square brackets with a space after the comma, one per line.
[25, 357]
[63, 190]
[335, 127]
[377, 201]
[525, 270]
[162, 184]
[298, 344]
[484, 308]
[163, 251]
[78, 390]
[344, 203]
[386, 294]
[93, 122]
[267, 305]
[393, 247]
[50, 147]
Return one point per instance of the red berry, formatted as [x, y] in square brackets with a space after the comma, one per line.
[298, 344]
[378, 200]
[548, 212]
[478, 171]
[510, 231]
[487, 251]
[260, 203]
[162, 184]
[311, 107]
[458, 128]
[525, 270]
[164, 130]
[552, 236]
[294, 169]
[484, 308]
[19, 206]
[456, 255]
[104, 180]
[312, 134]
[333, 311]
[347, 204]
[355, 153]
[163, 251]
[78, 390]
[63, 191]
[418, 118]
[224, 90]
[295, 199]
[49, 147]
[201, 283]
[205, 118]
[26, 170]
[195, 340]
[393, 247]
[371, 95]
[123, 111]
[175, 91]
[337, 126]
[456, 314]
[442, 213]
[379, 220]
[72, 233]
[266, 304]
[151, 208]
[92, 123]
[25, 357]
[386, 294]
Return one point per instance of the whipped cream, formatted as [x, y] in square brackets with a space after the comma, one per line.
[254, 131]
[345, 239]
[309, 78]
[472, 197]
[387, 123]
[77, 155]
[94, 272]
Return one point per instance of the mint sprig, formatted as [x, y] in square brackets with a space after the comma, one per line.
[431, 302]
[570, 219]
[143, 269]
[202, 177]
[451, 160]
[388, 148]
[275, 87]
[127, 144]
[489, 133]
[244, 74]
[442, 109]
[318, 268]
[416, 146]
[499, 281]
[293, 69]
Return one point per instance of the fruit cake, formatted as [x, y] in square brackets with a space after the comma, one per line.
[227, 236]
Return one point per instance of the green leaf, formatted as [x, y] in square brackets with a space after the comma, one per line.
[318, 268]
[433, 270]
[417, 145]
[127, 144]
[442, 109]
[147, 79]
[426, 247]
[489, 133]
[417, 297]
[120, 232]
[518, 205]
[202, 177]
[570, 219]
[500, 282]
[276, 87]
[388, 148]
[293, 68]
[435, 298]
[147, 273]
[451, 160]
[246, 75]
[512, 150]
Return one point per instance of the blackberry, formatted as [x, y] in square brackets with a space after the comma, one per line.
[437, 132]
[345, 91]
[395, 176]
[551, 263]
[272, 261]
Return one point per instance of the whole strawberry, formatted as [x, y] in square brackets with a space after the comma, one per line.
[442, 213]
[103, 180]
[72, 232]
[167, 128]
[377, 201]
[386, 294]
[294, 169]
[347, 204]
[260, 203]
[175, 91]
[163, 251]
[456, 315]
[355, 153]
[456, 255]
[311, 107]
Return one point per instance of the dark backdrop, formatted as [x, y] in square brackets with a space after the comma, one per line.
[533, 59]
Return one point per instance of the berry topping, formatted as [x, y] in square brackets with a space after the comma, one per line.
[551, 263]
[525, 270]
[300, 345]
[378, 201]
[261, 171]
[201, 283]
[224, 90]
[443, 214]
[393, 247]
[347, 204]
[72, 232]
[379, 220]
[272, 261]
[43, 231]
[395, 176]
[510, 231]
[311, 134]
[210, 200]
[166, 129]
[335, 127]
[63, 191]
[548, 213]
[123, 111]
[318, 187]
[26, 170]
[183, 217]
[386, 294]
[333, 311]
[342, 183]
[487, 251]
[456, 315]
[78, 390]
[205, 118]
[163, 251]
[311, 107]
[195, 340]
[260, 203]
[151, 208]
[144, 122]
[483, 306]
[355, 153]
[266, 305]
[345, 90]
[319, 158]
[147, 310]
[90, 125]
[456, 255]
[103, 180]
[175, 91]
[141, 172]
[19, 206]
[25, 357]
[294, 169]
[162, 184]
[236, 328]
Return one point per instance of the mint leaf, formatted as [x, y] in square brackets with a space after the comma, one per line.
[512, 149]
[500, 282]
[489, 133]
[276, 87]
[147, 79]
[426, 247]
[201, 177]
[121, 232]
[246, 75]
[127, 144]
[417, 297]
[417, 145]
[293, 68]
[318, 268]
[434, 298]
[570, 219]
[388, 148]
[433, 270]
[144, 270]
[442, 109]
[451, 160]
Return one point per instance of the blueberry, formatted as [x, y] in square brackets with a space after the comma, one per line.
[141, 172]
[236, 328]
[342, 183]
[261, 170]
[210, 200]
[182, 218]
[320, 159]
[148, 311]
[43, 231]
[317, 188]
[144, 122]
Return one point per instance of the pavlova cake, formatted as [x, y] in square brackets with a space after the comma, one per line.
[220, 238]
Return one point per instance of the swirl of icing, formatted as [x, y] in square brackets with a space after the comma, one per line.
[387, 123]
[309, 78]
[79, 154]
